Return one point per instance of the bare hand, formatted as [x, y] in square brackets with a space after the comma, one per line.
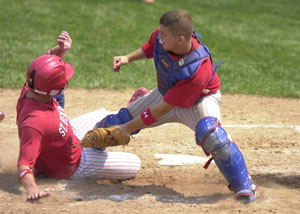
[36, 194]
[64, 41]
[118, 61]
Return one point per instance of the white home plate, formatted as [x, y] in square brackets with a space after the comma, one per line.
[177, 160]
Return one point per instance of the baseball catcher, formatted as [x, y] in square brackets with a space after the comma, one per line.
[187, 92]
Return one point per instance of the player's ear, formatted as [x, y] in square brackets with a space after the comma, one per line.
[180, 39]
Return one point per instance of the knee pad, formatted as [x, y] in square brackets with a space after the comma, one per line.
[120, 118]
[227, 156]
[210, 135]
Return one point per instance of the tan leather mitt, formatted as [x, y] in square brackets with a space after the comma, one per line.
[105, 137]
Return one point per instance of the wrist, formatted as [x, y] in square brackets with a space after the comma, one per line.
[124, 130]
[50, 51]
[129, 58]
[58, 51]
[23, 172]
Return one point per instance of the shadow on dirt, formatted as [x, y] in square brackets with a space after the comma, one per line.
[88, 190]
[290, 181]
[9, 183]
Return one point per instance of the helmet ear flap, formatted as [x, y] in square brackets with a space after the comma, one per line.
[31, 79]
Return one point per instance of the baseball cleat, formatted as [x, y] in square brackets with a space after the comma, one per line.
[137, 94]
[247, 195]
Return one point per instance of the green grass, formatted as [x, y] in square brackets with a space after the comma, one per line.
[257, 40]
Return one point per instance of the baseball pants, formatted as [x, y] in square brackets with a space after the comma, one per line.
[207, 106]
[97, 163]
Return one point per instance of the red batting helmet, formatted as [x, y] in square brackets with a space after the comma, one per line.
[48, 75]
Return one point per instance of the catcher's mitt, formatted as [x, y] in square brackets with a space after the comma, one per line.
[105, 137]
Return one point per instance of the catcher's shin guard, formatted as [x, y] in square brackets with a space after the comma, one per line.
[123, 116]
[227, 156]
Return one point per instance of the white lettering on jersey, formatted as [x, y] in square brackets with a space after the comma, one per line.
[63, 125]
[61, 131]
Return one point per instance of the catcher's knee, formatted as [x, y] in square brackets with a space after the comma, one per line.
[123, 116]
[210, 135]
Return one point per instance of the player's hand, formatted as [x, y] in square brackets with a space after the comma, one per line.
[64, 41]
[118, 61]
[36, 194]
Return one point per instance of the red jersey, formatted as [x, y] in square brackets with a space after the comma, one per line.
[185, 92]
[46, 138]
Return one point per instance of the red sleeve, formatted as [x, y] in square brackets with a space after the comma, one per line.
[148, 47]
[30, 145]
[185, 92]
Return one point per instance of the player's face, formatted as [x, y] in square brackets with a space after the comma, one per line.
[168, 39]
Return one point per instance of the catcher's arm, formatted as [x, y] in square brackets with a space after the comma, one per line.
[27, 179]
[137, 123]
[118, 61]
[120, 135]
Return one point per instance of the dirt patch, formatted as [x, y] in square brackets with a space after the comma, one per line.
[265, 129]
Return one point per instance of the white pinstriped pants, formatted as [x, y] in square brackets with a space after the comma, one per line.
[100, 164]
[208, 106]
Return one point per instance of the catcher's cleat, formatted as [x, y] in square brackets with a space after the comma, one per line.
[137, 94]
[247, 195]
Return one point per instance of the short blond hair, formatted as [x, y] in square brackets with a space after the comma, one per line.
[179, 22]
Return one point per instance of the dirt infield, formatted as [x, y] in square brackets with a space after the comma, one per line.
[265, 129]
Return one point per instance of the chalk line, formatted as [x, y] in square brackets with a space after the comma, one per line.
[249, 126]
[277, 126]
